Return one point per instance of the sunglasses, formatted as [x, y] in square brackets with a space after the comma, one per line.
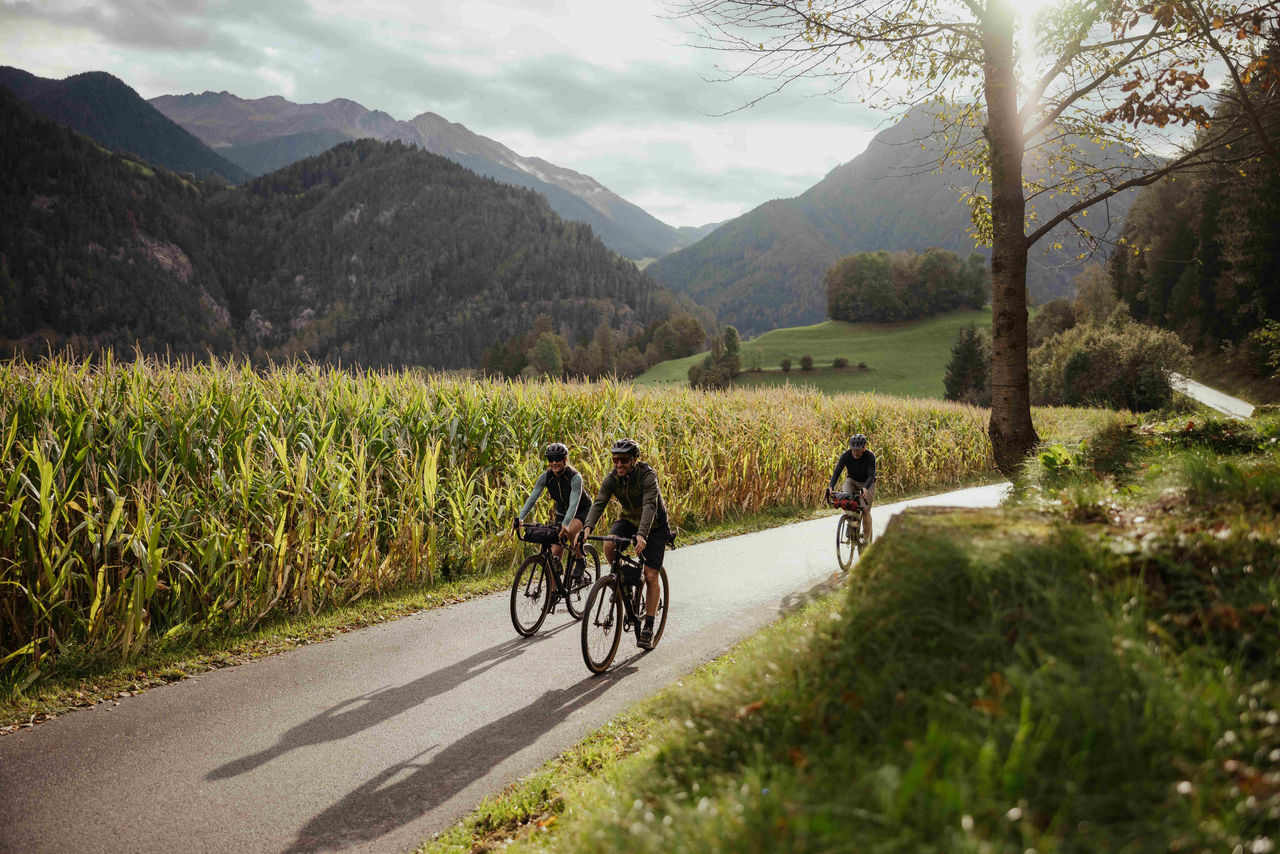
[621, 460]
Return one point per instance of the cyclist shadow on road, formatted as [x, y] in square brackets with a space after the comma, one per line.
[379, 806]
[368, 710]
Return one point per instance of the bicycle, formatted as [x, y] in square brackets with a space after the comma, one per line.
[616, 604]
[850, 538]
[532, 597]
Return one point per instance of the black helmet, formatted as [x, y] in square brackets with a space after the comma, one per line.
[555, 451]
[626, 447]
[857, 440]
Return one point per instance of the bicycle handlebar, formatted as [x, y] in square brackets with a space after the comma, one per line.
[611, 538]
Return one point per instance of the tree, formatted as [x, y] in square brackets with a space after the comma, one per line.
[785, 364]
[806, 363]
[968, 376]
[1011, 87]
[546, 357]
[1095, 298]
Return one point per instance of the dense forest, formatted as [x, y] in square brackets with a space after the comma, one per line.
[1202, 258]
[891, 287]
[377, 254]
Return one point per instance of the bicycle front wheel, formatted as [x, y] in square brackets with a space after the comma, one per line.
[579, 590]
[664, 599]
[846, 541]
[602, 624]
[530, 596]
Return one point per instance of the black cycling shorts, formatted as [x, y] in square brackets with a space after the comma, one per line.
[655, 546]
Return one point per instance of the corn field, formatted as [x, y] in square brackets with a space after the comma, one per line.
[147, 499]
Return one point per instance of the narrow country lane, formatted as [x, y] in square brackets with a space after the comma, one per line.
[381, 737]
[1233, 407]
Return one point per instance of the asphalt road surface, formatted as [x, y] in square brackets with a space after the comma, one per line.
[1212, 398]
[381, 737]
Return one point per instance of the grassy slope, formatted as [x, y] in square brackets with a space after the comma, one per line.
[906, 359]
[1092, 669]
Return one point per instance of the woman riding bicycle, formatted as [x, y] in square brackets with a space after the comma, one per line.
[565, 486]
[644, 517]
[859, 462]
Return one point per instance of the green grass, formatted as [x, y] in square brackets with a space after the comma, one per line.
[1090, 669]
[904, 359]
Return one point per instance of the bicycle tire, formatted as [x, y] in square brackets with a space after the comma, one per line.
[574, 599]
[530, 587]
[602, 624]
[846, 542]
[664, 600]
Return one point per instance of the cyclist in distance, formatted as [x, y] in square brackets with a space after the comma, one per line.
[565, 486]
[859, 464]
[644, 516]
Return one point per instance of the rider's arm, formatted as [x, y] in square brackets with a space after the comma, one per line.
[649, 508]
[871, 470]
[540, 485]
[575, 495]
[840, 466]
[602, 501]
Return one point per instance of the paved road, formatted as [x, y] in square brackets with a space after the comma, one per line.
[379, 738]
[1212, 398]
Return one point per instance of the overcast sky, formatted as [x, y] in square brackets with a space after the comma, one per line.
[611, 88]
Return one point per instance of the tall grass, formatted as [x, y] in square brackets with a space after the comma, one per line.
[145, 499]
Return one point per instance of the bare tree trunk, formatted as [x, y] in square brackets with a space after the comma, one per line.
[1012, 433]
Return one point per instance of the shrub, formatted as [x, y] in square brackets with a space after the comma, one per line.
[786, 364]
[839, 363]
[806, 363]
[1053, 317]
[1124, 366]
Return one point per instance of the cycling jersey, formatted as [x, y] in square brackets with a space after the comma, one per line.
[861, 470]
[640, 498]
[566, 490]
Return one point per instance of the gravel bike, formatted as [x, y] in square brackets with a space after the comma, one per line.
[851, 540]
[617, 604]
[544, 580]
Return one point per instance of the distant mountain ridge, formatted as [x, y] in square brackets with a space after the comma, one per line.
[258, 134]
[764, 269]
[373, 254]
[105, 108]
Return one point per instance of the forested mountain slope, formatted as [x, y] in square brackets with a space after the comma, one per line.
[764, 269]
[373, 254]
[105, 108]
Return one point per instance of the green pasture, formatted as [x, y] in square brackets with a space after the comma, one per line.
[903, 359]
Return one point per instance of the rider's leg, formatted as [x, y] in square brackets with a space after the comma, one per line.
[868, 496]
[571, 531]
[653, 589]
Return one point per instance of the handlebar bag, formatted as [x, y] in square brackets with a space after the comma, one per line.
[543, 535]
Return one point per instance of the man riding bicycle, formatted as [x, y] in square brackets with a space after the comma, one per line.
[565, 486]
[644, 517]
[859, 463]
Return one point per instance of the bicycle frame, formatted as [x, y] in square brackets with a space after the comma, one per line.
[630, 592]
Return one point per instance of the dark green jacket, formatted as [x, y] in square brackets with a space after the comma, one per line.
[640, 499]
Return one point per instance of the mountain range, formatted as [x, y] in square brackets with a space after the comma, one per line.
[371, 253]
[764, 269]
[265, 134]
[105, 108]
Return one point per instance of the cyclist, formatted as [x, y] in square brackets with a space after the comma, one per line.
[565, 486]
[859, 463]
[644, 517]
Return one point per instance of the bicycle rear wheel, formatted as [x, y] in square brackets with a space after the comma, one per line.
[664, 598]
[574, 600]
[846, 540]
[602, 624]
[530, 596]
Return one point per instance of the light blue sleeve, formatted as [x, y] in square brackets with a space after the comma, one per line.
[540, 485]
[575, 495]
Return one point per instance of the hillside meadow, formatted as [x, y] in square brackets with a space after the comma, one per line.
[903, 359]
[149, 499]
